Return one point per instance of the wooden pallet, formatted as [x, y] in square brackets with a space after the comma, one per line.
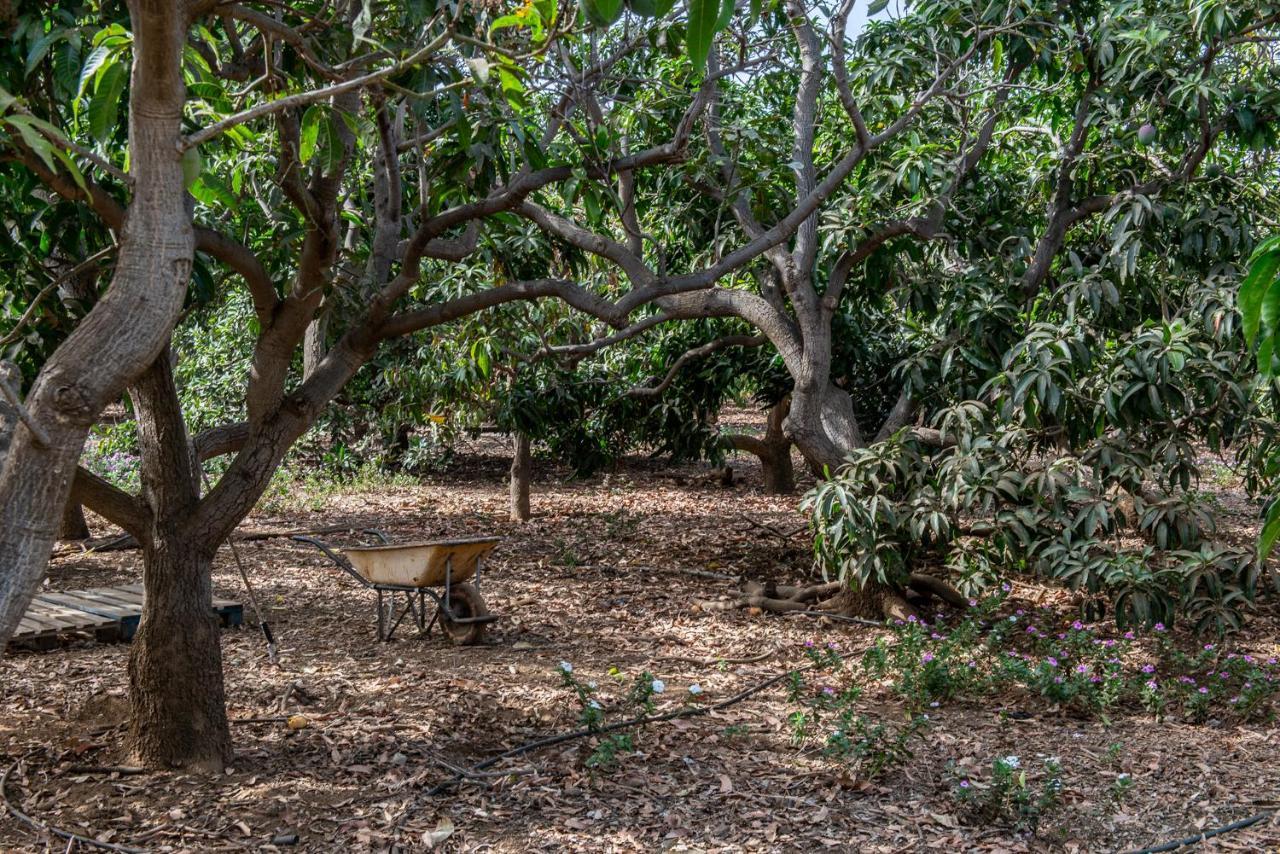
[46, 624]
[108, 613]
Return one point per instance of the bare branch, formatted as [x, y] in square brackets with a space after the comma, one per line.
[694, 354]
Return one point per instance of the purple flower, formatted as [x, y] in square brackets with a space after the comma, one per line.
[832, 645]
[927, 657]
[936, 636]
[808, 644]
[1208, 647]
[1082, 668]
[1062, 635]
[1159, 627]
[1057, 680]
[1186, 680]
[1204, 690]
[1271, 661]
[828, 690]
[1031, 630]
[911, 618]
[1006, 586]
[973, 603]
[1148, 668]
[1128, 635]
[1151, 685]
[964, 784]
[1077, 625]
[1051, 661]
[1020, 612]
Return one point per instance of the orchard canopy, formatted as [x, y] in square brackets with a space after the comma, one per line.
[990, 287]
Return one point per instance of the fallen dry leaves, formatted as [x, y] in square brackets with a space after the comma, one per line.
[351, 732]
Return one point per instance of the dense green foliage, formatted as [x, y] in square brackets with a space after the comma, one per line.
[1070, 415]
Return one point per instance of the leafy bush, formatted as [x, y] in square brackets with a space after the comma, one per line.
[1077, 462]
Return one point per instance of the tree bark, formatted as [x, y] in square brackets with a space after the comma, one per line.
[521, 468]
[175, 664]
[822, 425]
[773, 451]
[126, 329]
[74, 526]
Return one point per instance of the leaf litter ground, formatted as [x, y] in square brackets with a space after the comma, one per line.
[603, 577]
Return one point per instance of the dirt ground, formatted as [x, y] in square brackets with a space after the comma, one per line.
[601, 579]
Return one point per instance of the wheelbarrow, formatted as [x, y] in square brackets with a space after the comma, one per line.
[416, 569]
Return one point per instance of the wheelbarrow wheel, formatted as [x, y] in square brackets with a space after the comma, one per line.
[466, 602]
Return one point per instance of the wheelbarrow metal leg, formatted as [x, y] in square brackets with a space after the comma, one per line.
[381, 620]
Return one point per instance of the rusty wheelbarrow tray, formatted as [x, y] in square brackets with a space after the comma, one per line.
[415, 569]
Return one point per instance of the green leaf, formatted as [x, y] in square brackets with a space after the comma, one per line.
[1270, 531]
[1262, 272]
[310, 132]
[192, 166]
[875, 7]
[726, 15]
[91, 65]
[1270, 314]
[104, 109]
[703, 15]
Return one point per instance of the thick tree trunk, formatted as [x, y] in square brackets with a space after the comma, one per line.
[779, 474]
[126, 329]
[773, 451]
[74, 526]
[175, 664]
[521, 469]
[822, 424]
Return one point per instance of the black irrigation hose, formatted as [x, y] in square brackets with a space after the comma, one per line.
[1208, 834]
[41, 827]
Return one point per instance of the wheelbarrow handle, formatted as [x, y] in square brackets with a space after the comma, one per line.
[342, 562]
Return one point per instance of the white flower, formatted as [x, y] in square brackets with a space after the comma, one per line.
[566, 667]
[695, 688]
[1011, 762]
[592, 684]
[659, 686]
[593, 704]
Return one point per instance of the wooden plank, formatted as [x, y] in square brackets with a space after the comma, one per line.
[31, 628]
[80, 601]
[118, 594]
[133, 593]
[63, 618]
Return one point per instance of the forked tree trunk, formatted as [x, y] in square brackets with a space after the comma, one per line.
[175, 664]
[74, 526]
[822, 424]
[521, 470]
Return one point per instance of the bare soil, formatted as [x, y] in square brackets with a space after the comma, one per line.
[601, 579]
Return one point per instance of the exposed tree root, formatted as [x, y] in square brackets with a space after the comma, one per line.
[875, 601]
